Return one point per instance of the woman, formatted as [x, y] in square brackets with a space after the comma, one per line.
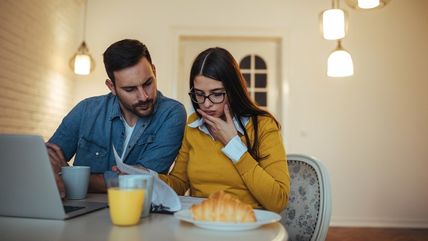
[229, 143]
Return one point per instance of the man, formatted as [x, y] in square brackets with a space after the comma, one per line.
[145, 127]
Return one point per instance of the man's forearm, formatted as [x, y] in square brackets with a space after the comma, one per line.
[96, 183]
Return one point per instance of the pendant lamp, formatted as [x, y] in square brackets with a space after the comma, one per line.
[339, 63]
[82, 62]
[334, 22]
[367, 4]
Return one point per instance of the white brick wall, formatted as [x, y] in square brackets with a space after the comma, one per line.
[37, 39]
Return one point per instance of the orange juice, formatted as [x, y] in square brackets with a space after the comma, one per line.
[125, 205]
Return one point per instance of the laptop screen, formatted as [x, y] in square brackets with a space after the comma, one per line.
[27, 182]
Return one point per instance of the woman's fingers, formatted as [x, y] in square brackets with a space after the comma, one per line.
[209, 120]
[227, 114]
[221, 130]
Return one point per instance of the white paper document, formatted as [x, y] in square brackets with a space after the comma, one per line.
[187, 201]
[164, 197]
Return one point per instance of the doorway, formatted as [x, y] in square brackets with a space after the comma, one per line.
[263, 80]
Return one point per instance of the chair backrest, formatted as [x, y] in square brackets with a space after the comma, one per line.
[307, 216]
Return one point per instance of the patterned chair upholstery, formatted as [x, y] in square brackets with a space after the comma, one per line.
[307, 216]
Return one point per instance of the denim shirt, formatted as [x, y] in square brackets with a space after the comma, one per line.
[94, 125]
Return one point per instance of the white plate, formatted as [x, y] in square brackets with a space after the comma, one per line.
[262, 217]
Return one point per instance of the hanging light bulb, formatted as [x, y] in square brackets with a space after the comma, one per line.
[334, 22]
[368, 4]
[339, 63]
[82, 62]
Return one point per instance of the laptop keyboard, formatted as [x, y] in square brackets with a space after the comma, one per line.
[68, 209]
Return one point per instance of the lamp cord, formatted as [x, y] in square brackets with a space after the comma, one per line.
[84, 19]
[335, 4]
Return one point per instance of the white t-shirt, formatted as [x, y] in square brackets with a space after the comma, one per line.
[128, 133]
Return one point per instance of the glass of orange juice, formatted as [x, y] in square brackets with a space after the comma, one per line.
[126, 199]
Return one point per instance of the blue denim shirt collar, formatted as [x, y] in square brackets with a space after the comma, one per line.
[115, 109]
[140, 126]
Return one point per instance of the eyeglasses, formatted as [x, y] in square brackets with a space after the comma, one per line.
[215, 98]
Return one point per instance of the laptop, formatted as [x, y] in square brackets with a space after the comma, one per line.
[27, 183]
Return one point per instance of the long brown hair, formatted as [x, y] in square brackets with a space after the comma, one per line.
[218, 64]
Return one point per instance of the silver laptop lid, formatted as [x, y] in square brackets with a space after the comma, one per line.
[27, 183]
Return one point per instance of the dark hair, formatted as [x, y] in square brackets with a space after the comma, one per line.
[217, 63]
[123, 54]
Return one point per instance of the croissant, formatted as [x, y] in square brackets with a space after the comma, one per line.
[223, 207]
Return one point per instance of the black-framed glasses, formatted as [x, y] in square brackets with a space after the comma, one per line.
[215, 98]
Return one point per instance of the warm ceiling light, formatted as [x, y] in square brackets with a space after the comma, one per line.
[334, 26]
[82, 62]
[334, 22]
[339, 63]
[368, 4]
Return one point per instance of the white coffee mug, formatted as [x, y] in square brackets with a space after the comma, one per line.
[76, 181]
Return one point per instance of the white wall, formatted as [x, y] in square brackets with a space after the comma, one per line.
[370, 130]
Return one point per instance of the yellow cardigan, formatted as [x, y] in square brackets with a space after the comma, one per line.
[202, 167]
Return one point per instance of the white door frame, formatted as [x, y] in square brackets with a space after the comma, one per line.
[179, 32]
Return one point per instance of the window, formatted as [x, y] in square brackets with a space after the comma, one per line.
[254, 70]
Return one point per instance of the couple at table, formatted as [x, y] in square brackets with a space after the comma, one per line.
[228, 144]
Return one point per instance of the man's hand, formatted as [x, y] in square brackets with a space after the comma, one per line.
[57, 161]
[60, 185]
[56, 157]
[117, 170]
[221, 130]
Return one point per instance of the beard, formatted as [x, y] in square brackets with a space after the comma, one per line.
[140, 109]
